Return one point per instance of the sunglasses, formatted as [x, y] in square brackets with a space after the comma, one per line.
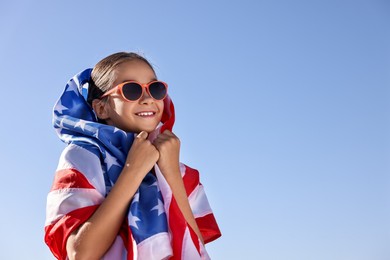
[133, 91]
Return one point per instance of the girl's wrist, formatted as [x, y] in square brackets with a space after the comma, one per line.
[169, 168]
[131, 174]
[172, 175]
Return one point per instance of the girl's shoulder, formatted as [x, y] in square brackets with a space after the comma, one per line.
[83, 160]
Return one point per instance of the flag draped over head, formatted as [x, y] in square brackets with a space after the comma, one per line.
[88, 168]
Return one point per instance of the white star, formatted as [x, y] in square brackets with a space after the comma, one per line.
[76, 80]
[133, 220]
[159, 207]
[81, 123]
[110, 161]
[136, 197]
[96, 134]
[70, 89]
[66, 137]
[116, 129]
[59, 107]
[119, 130]
[154, 184]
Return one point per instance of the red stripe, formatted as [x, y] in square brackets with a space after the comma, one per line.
[57, 234]
[190, 179]
[208, 227]
[127, 236]
[177, 224]
[207, 224]
[194, 238]
[168, 116]
[70, 178]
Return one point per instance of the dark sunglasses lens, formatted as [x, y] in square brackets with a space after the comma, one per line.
[158, 90]
[132, 91]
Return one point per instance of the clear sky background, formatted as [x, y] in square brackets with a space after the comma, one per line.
[283, 106]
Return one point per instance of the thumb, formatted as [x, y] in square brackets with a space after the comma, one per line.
[142, 135]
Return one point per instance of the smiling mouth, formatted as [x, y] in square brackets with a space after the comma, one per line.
[146, 114]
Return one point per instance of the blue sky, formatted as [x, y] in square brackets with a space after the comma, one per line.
[283, 106]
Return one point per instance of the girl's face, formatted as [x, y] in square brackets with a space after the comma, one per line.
[133, 116]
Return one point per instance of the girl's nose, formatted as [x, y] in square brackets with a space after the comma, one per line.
[146, 98]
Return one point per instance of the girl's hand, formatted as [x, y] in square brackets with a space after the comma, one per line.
[168, 146]
[142, 155]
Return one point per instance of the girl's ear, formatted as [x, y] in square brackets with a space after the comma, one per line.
[100, 108]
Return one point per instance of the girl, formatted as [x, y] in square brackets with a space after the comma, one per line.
[120, 191]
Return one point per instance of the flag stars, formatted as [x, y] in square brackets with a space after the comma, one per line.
[110, 161]
[67, 138]
[136, 197]
[133, 220]
[59, 107]
[96, 134]
[81, 124]
[154, 184]
[74, 90]
[159, 207]
[117, 130]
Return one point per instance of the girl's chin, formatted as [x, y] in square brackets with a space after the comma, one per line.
[147, 129]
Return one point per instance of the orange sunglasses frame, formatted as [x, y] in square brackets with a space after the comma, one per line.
[144, 87]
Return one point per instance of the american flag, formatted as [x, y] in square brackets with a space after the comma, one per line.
[88, 168]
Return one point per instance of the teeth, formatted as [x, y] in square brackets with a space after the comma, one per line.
[145, 114]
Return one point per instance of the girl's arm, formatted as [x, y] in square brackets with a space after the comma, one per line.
[169, 147]
[176, 183]
[96, 235]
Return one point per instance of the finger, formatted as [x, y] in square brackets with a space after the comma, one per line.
[169, 133]
[142, 135]
[157, 142]
[163, 137]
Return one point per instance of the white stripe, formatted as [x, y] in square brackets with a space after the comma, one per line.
[182, 169]
[116, 251]
[135, 251]
[203, 252]
[189, 251]
[60, 202]
[77, 82]
[198, 201]
[164, 188]
[156, 247]
[85, 162]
